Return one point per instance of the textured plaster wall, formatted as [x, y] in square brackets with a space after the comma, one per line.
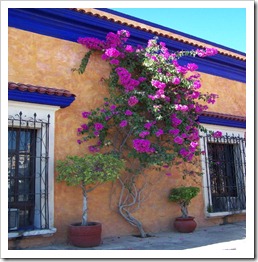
[41, 60]
[232, 94]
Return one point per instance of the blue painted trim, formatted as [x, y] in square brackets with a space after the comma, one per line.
[45, 99]
[168, 29]
[221, 122]
[70, 25]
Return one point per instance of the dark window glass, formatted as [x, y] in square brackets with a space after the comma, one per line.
[21, 174]
[222, 169]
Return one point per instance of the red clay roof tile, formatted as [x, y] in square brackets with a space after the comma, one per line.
[39, 89]
[133, 24]
[224, 116]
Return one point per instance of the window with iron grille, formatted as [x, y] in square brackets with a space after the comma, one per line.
[225, 173]
[28, 143]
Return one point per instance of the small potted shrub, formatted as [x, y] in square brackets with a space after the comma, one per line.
[183, 196]
[87, 172]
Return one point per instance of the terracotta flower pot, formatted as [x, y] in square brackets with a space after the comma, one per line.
[85, 236]
[185, 225]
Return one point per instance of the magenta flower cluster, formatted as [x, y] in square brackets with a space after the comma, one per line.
[143, 146]
[206, 52]
[126, 80]
[153, 96]
[132, 101]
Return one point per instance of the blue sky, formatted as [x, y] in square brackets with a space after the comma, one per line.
[224, 26]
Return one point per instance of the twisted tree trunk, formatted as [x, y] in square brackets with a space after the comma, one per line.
[132, 220]
[129, 201]
[84, 206]
[184, 210]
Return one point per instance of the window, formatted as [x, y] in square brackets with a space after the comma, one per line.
[224, 179]
[28, 154]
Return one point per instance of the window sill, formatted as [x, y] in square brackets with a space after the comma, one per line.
[223, 214]
[31, 233]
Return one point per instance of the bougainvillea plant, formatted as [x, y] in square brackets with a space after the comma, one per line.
[151, 115]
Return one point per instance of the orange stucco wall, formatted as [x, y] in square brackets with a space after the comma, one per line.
[41, 60]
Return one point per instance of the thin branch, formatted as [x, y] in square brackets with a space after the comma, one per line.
[125, 139]
[92, 188]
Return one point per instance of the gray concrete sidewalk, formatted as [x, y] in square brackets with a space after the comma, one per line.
[223, 237]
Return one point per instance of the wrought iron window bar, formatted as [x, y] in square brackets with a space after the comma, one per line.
[28, 157]
[225, 164]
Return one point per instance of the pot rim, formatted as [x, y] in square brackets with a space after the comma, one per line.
[185, 218]
[89, 224]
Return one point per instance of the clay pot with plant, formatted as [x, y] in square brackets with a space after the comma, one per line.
[183, 196]
[87, 172]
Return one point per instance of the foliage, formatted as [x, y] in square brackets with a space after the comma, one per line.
[183, 196]
[150, 118]
[89, 169]
[88, 172]
[152, 79]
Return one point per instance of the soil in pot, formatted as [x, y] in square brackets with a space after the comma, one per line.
[185, 225]
[85, 236]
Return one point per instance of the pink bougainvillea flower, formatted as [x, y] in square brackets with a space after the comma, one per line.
[123, 123]
[200, 108]
[98, 126]
[152, 97]
[206, 52]
[174, 131]
[159, 133]
[96, 133]
[84, 127]
[211, 51]
[178, 140]
[217, 134]
[86, 114]
[192, 67]
[91, 42]
[141, 79]
[168, 174]
[195, 95]
[131, 84]
[124, 34]
[114, 62]
[143, 134]
[132, 101]
[128, 112]
[113, 107]
[192, 146]
[184, 135]
[212, 98]
[200, 53]
[142, 145]
[190, 157]
[148, 125]
[183, 108]
[181, 69]
[158, 84]
[175, 121]
[176, 81]
[183, 152]
[151, 43]
[112, 40]
[112, 52]
[129, 49]
[197, 84]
